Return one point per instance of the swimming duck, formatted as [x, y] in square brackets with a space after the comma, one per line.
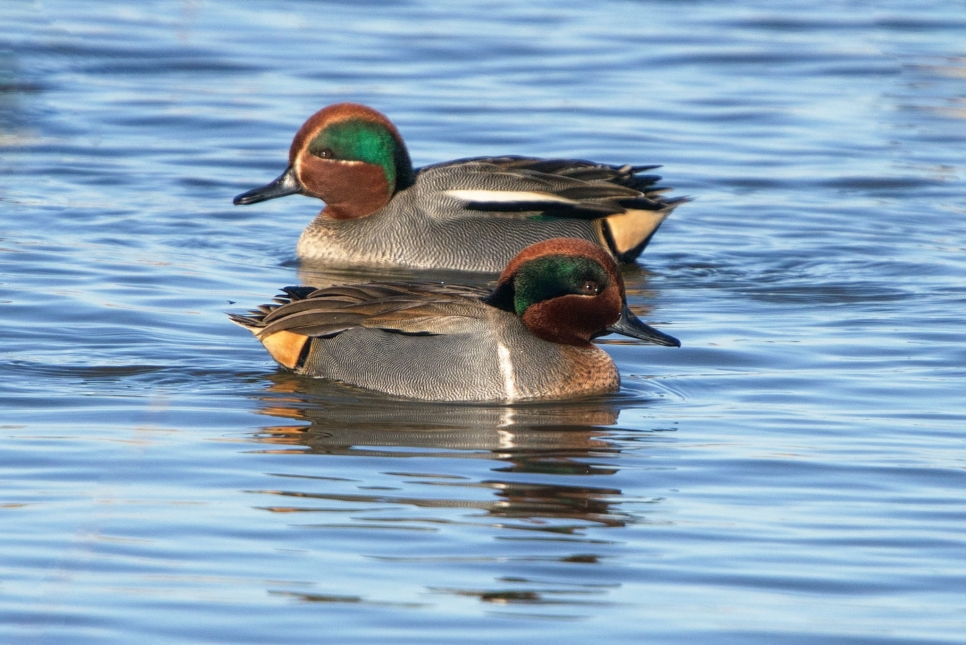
[470, 214]
[529, 338]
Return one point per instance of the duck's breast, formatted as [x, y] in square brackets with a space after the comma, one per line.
[543, 370]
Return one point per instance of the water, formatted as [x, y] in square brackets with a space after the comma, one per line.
[793, 474]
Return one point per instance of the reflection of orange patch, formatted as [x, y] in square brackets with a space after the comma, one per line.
[286, 430]
[285, 413]
[280, 440]
[285, 386]
[285, 347]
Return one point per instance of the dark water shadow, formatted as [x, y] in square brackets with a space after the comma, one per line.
[322, 417]
[320, 275]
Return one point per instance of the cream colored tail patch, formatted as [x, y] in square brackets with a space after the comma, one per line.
[629, 229]
[285, 347]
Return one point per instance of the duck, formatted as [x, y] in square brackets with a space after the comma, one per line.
[529, 338]
[472, 214]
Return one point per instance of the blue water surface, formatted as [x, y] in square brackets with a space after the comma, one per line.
[795, 473]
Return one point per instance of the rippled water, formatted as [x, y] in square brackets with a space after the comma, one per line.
[793, 474]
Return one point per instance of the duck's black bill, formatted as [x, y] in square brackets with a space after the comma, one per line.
[631, 325]
[287, 184]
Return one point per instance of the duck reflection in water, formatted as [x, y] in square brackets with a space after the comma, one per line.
[413, 484]
[556, 442]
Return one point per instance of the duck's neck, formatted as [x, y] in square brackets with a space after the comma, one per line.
[350, 189]
[355, 165]
[567, 320]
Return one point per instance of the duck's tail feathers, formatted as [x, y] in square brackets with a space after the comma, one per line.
[629, 233]
[288, 348]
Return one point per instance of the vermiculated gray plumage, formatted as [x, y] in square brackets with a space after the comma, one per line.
[426, 341]
[476, 214]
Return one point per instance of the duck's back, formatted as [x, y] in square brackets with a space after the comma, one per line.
[477, 214]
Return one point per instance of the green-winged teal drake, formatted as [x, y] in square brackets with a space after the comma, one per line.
[470, 214]
[529, 338]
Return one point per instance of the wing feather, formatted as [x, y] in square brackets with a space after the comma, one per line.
[406, 308]
[549, 187]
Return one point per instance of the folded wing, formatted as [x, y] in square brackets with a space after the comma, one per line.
[404, 308]
[550, 187]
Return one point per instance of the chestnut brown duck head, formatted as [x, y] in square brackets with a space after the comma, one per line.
[349, 156]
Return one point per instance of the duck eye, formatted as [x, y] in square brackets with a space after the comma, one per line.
[325, 153]
[590, 288]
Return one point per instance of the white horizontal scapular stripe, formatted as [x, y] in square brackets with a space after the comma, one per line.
[505, 196]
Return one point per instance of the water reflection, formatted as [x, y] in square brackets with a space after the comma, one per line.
[556, 440]
[320, 276]
[937, 88]
[535, 496]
